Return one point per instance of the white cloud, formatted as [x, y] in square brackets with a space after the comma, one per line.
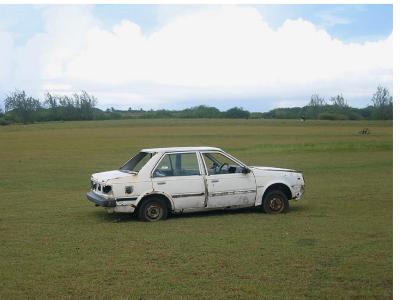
[220, 52]
[6, 56]
[46, 55]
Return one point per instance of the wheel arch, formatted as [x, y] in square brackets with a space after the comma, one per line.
[279, 186]
[163, 196]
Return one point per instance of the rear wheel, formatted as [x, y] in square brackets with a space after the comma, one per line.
[153, 209]
[275, 202]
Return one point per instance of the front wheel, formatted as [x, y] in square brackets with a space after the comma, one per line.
[152, 210]
[275, 202]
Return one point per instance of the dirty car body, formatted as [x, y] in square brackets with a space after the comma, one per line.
[159, 181]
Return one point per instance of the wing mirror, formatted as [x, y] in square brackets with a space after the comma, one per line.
[246, 170]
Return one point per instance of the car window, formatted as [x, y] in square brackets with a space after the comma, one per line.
[217, 163]
[177, 164]
[136, 163]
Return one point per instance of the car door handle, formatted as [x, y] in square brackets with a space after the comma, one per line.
[214, 180]
[161, 182]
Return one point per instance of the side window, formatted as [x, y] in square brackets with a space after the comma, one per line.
[164, 167]
[217, 163]
[178, 164]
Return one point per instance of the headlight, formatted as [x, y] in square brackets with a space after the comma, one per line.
[107, 189]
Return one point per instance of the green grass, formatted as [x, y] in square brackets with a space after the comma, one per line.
[335, 243]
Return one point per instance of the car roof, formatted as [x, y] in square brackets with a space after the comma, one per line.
[178, 149]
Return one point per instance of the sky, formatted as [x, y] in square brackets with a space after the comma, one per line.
[176, 56]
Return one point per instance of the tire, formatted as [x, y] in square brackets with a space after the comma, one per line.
[275, 202]
[152, 210]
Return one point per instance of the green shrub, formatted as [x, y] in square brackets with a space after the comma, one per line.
[4, 122]
[332, 116]
[355, 116]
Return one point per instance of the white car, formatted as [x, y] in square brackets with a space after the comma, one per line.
[160, 181]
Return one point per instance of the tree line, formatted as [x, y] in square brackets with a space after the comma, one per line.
[337, 108]
[21, 108]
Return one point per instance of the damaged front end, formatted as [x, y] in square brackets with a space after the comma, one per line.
[98, 200]
[102, 194]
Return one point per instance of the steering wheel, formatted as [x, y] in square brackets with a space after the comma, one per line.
[221, 166]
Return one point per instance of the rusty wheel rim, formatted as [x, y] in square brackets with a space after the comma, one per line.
[276, 204]
[154, 212]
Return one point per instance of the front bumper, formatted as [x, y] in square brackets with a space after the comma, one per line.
[99, 200]
[298, 191]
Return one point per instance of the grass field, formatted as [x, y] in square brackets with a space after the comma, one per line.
[335, 243]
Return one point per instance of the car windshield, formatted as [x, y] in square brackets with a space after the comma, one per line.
[136, 163]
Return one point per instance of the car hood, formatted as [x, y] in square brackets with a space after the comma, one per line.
[272, 169]
[111, 175]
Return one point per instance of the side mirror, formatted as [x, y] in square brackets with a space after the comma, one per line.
[246, 170]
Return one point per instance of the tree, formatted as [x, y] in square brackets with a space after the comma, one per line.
[51, 101]
[86, 103]
[201, 111]
[76, 107]
[382, 97]
[383, 104]
[316, 101]
[22, 106]
[316, 105]
[237, 113]
[68, 108]
[339, 101]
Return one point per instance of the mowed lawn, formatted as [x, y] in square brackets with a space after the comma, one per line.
[335, 243]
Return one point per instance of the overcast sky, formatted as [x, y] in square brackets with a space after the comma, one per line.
[173, 56]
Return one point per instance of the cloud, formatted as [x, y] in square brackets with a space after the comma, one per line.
[212, 53]
[6, 55]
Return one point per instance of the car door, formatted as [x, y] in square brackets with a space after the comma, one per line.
[226, 184]
[179, 175]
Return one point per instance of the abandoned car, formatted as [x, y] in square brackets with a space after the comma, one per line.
[160, 181]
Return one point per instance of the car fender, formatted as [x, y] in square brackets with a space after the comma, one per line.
[261, 188]
[154, 192]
